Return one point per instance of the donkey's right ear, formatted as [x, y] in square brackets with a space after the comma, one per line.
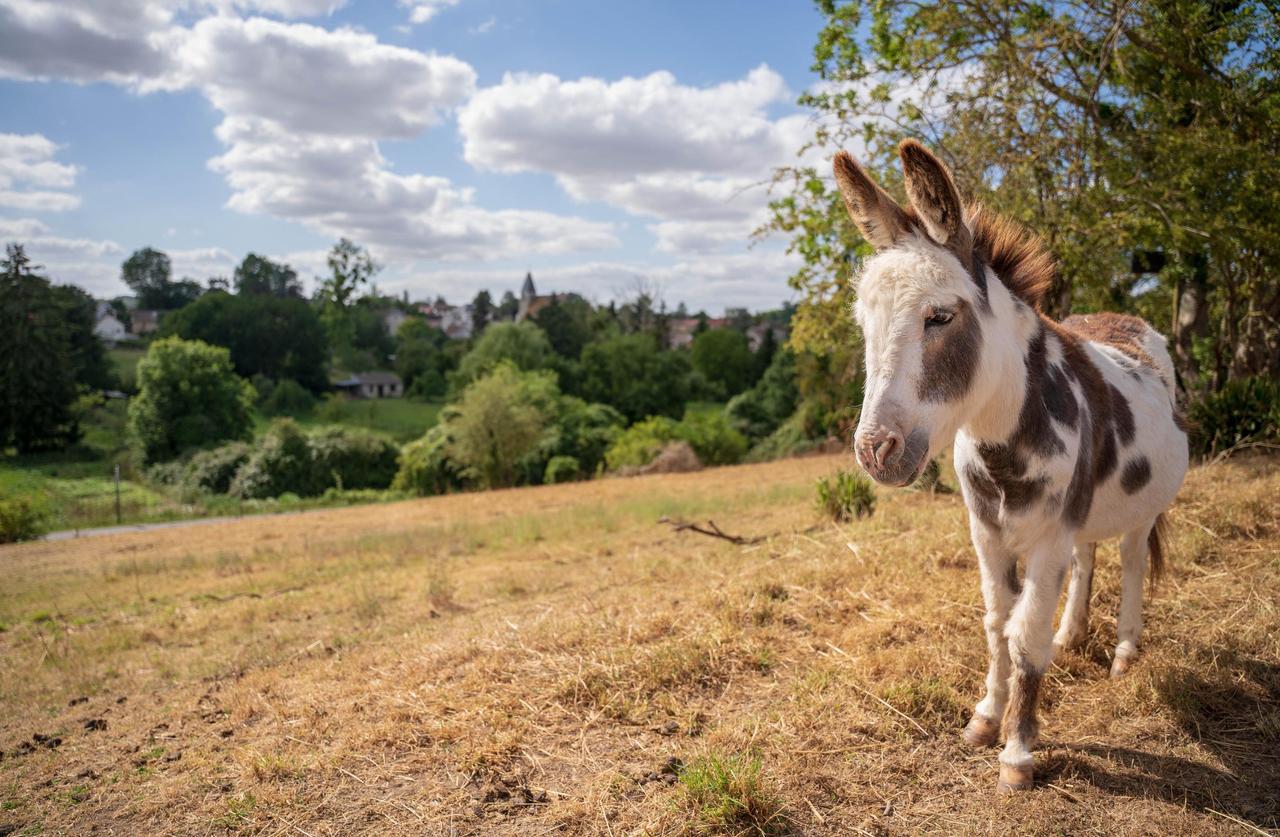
[876, 213]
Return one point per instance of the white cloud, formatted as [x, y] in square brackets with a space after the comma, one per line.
[316, 81]
[17, 229]
[83, 40]
[27, 160]
[650, 145]
[420, 11]
[201, 263]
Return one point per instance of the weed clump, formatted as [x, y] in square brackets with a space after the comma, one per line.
[846, 496]
[730, 794]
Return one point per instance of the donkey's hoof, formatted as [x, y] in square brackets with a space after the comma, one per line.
[1120, 665]
[981, 731]
[1014, 779]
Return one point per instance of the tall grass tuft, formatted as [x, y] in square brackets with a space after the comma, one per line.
[730, 795]
[846, 496]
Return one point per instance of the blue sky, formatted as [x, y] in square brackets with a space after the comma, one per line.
[597, 144]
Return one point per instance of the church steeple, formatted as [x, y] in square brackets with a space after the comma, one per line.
[527, 291]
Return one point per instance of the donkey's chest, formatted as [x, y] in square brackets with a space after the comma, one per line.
[1010, 491]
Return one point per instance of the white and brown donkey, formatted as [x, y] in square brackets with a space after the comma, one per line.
[1064, 433]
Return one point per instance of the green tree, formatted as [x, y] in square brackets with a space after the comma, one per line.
[499, 420]
[277, 337]
[258, 275]
[760, 410]
[148, 274]
[481, 312]
[350, 268]
[521, 344]
[87, 356]
[420, 360]
[631, 374]
[567, 323]
[189, 396]
[508, 308]
[1108, 127]
[723, 356]
[37, 366]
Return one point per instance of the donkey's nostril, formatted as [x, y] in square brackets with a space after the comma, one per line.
[885, 448]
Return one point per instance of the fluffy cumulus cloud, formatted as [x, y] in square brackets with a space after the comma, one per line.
[420, 11]
[29, 175]
[650, 145]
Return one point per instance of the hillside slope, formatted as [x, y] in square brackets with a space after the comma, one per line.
[550, 660]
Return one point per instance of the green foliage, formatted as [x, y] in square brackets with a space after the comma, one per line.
[788, 440]
[498, 421]
[762, 409]
[641, 442]
[577, 429]
[424, 467]
[353, 459]
[567, 323]
[712, 438]
[730, 795]
[287, 460]
[561, 469]
[631, 374]
[188, 397]
[212, 471]
[1244, 410]
[709, 434]
[723, 356]
[258, 276]
[147, 272]
[283, 398]
[846, 496]
[402, 419]
[38, 348]
[421, 361]
[278, 337]
[523, 345]
[22, 518]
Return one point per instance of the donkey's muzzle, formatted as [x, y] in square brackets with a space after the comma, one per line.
[889, 458]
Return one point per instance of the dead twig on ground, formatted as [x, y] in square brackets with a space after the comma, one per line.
[712, 532]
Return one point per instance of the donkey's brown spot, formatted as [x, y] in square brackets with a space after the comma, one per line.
[1058, 397]
[984, 496]
[1137, 473]
[1120, 331]
[950, 358]
[1035, 432]
[1011, 578]
[1020, 722]
[1123, 416]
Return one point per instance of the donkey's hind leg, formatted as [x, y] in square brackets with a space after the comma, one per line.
[1133, 565]
[1074, 627]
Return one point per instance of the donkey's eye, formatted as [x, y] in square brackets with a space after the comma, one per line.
[939, 318]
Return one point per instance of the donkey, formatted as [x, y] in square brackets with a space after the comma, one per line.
[1064, 433]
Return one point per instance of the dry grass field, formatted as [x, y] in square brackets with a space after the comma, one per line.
[555, 661]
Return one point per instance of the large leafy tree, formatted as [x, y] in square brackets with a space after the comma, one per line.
[498, 421]
[278, 337]
[521, 344]
[1111, 128]
[632, 375]
[567, 323]
[148, 274]
[37, 365]
[189, 396]
[258, 275]
[481, 311]
[723, 356]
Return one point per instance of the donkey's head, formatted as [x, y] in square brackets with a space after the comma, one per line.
[920, 303]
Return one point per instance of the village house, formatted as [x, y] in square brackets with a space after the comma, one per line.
[371, 385]
[144, 321]
[530, 302]
[108, 327]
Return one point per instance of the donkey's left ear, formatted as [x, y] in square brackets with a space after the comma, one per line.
[932, 191]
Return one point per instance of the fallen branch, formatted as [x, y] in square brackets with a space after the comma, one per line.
[713, 532]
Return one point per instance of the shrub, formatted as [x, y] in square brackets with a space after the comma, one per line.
[712, 438]
[352, 459]
[788, 440]
[424, 466]
[499, 420]
[213, 470]
[281, 463]
[846, 496]
[730, 795]
[640, 443]
[285, 398]
[22, 518]
[1246, 409]
[561, 469]
[188, 397]
[577, 429]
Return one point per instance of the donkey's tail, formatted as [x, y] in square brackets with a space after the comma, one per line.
[1157, 542]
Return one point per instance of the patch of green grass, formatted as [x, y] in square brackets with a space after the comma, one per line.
[124, 361]
[237, 813]
[845, 496]
[730, 794]
[403, 419]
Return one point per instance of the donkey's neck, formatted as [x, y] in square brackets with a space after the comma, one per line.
[1008, 332]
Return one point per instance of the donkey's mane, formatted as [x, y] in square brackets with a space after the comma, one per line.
[1017, 256]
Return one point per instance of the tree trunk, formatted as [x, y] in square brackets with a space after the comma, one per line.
[1190, 317]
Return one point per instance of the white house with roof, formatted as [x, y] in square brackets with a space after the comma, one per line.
[107, 326]
[371, 385]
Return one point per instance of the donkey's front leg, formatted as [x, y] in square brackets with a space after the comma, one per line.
[1030, 633]
[999, 569]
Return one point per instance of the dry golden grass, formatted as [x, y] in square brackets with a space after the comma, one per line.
[553, 661]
